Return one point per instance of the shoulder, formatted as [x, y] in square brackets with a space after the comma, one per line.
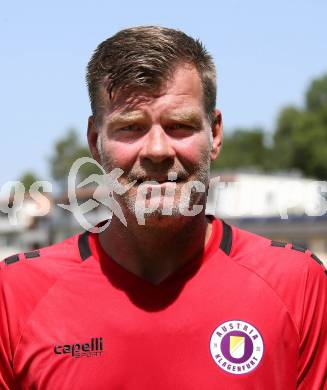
[26, 278]
[48, 261]
[31, 274]
[293, 273]
[271, 258]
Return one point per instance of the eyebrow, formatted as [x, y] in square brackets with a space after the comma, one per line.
[186, 116]
[125, 117]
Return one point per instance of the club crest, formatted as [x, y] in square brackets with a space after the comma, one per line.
[236, 347]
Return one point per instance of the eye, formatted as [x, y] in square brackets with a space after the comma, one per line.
[178, 126]
[182, 126]
[133, 127]
[180, 130]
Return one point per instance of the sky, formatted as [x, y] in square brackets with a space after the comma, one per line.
[266, 55]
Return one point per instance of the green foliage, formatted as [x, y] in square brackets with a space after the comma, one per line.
[28, 178]
[316, 96]
[243, 148]
[287, 124]
[66, 151]
[299, 141]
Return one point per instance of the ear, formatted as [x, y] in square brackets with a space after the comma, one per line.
[217, 134]
[92, 137]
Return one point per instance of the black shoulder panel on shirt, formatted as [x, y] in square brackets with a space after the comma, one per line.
[32, 254]
[28, 255]
[316, 258]
[83, 245]
[278, 243]
[226, 240]
[11, 259]
[298, 248]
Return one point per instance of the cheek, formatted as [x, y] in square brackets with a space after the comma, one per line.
[193, 149]
[120, 154]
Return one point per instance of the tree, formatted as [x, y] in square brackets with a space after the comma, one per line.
[300, 139]
[287, 123]
[316, 96]
[67, 150]
[28, 178]
[243, 148]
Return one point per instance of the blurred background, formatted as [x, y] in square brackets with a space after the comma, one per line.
[271, 63]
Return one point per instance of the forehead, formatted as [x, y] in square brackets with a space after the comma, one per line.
[182, 91]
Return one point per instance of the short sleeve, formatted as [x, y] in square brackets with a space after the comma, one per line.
[6, 371]
[312, 370]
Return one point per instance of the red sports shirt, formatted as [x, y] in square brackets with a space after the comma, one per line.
[248, 314]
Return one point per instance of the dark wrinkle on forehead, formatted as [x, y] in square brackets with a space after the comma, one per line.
[130, 99]
[124, 101]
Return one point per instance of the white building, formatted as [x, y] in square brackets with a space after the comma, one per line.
[258, 195]
[284, 208]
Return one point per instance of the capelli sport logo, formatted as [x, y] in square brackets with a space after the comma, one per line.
[77, 350]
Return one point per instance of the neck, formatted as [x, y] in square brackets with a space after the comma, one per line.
[157, 249]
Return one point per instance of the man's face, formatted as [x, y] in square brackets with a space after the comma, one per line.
[158, 137]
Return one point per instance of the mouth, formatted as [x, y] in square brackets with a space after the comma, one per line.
[156, 181]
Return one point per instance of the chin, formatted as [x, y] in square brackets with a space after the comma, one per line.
[163, 213]
[158, 219]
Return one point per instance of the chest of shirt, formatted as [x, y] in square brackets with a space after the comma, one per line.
[212, 332]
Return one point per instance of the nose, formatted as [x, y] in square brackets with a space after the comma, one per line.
[157, 146]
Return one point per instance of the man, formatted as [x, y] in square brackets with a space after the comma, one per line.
[171, 299]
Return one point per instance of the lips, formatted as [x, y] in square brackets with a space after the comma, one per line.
[157, 180]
